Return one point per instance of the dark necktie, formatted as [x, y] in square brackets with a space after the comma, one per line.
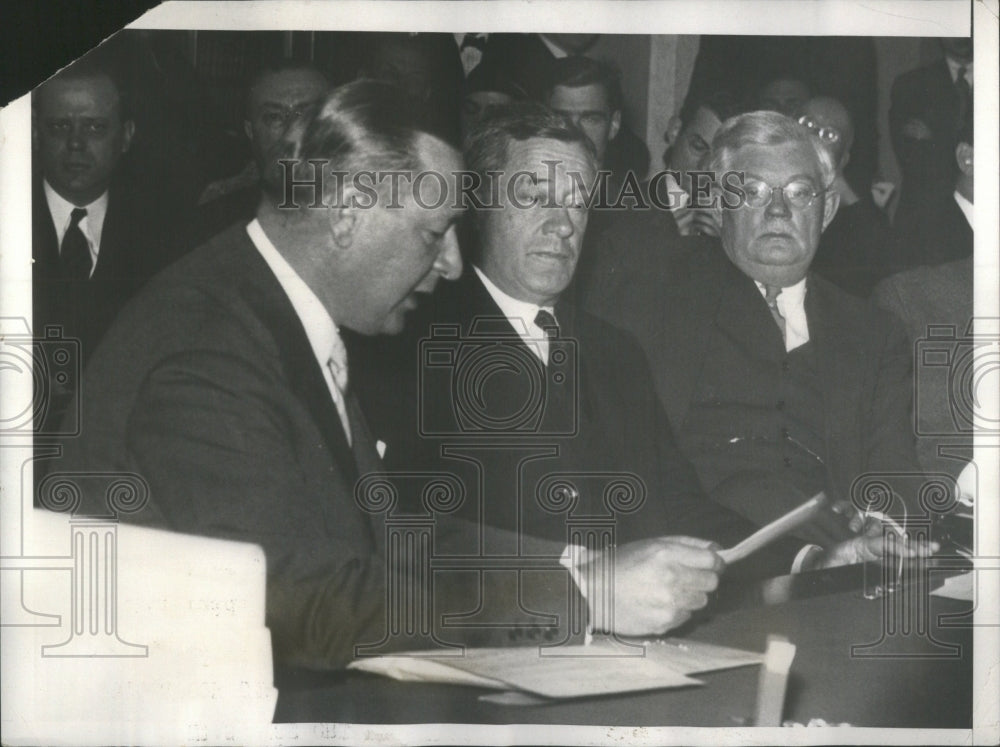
[964, 95]
[74, 253]
[771, 294]
[547, 323]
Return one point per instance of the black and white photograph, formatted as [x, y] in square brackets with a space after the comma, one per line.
[515, 372]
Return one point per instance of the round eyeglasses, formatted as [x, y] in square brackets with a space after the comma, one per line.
[826, 134]
[797, 194]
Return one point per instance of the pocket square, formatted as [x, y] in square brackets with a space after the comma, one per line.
[380, 447]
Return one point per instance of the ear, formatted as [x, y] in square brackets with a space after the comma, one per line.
[964, 156]
[673, 130]
[248, 129]
[128, 132]
[831, 201]
[616, 125]
[344, 222]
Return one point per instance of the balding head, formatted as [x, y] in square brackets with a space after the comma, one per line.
[825, 116]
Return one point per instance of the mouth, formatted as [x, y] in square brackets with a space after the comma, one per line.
[550, 255]
[76, 167]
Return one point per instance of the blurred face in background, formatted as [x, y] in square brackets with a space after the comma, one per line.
[277, 101]
[785, 95]
[589, 108]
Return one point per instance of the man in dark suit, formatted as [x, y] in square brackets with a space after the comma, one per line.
[945, 231]
[91, 248]
[226, 387]
[855, 249]
[280, 92]
[928, 106]
[778, 384]
[518, 385]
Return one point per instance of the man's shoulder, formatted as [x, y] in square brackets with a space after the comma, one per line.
[857, 319]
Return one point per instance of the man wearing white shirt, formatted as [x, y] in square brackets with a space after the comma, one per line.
[778, 384]
[92, 247]
[929, 105]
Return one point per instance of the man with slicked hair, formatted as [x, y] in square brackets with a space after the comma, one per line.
[226, 386]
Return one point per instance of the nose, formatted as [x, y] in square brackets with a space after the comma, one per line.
[778, 205]
[76, 140]
[448, 263]
[559, 222]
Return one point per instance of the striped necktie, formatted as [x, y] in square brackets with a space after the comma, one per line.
[771, 294]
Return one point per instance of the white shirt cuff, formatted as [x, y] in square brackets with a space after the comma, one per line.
[571, 559]
[803, 555]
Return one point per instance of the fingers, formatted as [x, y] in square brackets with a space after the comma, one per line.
[693, 552]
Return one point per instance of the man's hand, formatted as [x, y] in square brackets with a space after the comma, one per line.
[872, 544]
[657, 584]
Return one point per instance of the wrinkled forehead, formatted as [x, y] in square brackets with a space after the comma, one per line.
[779, 163]
[287, 88]
[590, 97]
[546, 156]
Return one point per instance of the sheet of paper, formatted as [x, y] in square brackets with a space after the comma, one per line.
[569, 672]
[961, 587]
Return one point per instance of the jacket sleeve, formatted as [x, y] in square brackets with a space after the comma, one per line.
[228, 451]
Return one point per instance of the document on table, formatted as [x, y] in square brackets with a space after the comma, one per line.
[960, 587]
[602, 668]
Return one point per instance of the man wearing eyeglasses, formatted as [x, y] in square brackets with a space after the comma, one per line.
[854, 251]
[280, 93]
[778, 384]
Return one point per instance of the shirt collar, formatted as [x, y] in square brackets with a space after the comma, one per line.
[511, 307]
[794, 294]
[319, 325]
[953, 67]
[61, 211]
[557, 52]
[966, 208]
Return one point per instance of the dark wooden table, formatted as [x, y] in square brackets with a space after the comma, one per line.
[904, 660]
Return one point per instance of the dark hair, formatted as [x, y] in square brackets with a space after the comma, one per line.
[723, 104]
[576, 72]
[362, 125]
[487, 147]
[273, 65]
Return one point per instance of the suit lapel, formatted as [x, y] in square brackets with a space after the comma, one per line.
[44, 242]
[836, 361]
[265, 295]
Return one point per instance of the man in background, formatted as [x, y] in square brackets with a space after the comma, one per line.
[778, 384]
[928, 107]
[855, 249]
[280, 93]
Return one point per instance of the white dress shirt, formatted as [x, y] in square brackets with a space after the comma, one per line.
[966, 207]
[92, 225]
[791, 305]
[521, 316]
[953, 68]
[319, 326]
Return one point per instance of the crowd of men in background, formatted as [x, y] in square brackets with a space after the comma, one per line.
[730, 358]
